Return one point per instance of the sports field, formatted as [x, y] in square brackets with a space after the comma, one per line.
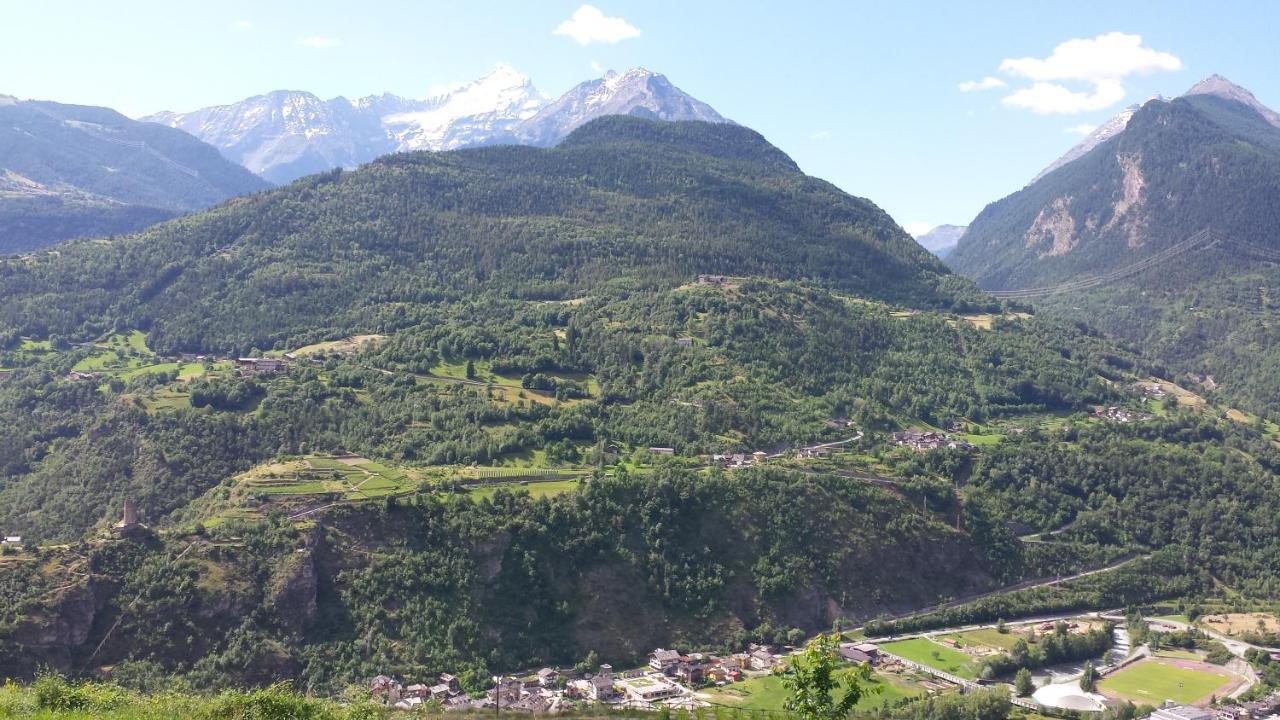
[1154, 681]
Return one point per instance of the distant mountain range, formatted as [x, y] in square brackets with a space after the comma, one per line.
[942, 239]
[286, 134]
[72, 171]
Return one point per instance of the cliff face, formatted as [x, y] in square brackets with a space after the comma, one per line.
[448, 585]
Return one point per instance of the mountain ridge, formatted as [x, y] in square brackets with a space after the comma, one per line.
[76, 170]
[284, 135]
[1164, 236]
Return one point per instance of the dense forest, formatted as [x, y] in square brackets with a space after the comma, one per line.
[623, 201]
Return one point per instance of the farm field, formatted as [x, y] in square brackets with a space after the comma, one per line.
[767, 693]
[1154, 681]
[939, 657]
[352, 478]
[1236, 623]
[343, 347]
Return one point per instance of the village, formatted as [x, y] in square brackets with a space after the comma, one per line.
[670, 679]
[1176, 685]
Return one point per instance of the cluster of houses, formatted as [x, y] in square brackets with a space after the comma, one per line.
[713, 280]
[921, 440]
[1119, 414]
[1153, 390]
[668, 679]
[735, 461]
[248, 367]
[76, 375]
[447, 691]
[1260, 709]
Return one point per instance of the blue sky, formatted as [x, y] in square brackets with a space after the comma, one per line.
[866, 95]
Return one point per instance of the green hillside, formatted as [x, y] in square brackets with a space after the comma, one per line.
[641, 203]
[493, 441]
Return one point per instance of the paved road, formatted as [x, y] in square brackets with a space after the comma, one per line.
[1026, 585]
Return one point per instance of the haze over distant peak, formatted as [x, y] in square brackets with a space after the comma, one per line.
[942, 239]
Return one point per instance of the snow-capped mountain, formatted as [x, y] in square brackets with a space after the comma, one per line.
[477, 113]
[284, 135]
[635, 92]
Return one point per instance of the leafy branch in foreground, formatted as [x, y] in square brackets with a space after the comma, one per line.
[814, 683]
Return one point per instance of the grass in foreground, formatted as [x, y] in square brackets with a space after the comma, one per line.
[768, 693]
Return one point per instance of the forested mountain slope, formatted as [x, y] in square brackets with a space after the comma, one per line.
[1166, 235]
[73, 171]
[650, 202]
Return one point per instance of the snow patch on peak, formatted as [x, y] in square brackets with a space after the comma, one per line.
[470, 114]
[286, 134]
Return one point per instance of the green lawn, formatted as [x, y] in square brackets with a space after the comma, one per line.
[535, 489]
[768, 693]
[940, 657]
[1154, 682]
[982, 439]
[989, 637]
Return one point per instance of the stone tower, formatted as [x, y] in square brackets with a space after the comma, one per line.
[130, 518]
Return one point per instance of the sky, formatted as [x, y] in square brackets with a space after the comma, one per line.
[930, 109]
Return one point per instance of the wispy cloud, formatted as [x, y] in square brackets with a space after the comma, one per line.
[1044, 98]
[319, 42]
[589, 24]
[821, 135]
[986, 83]
[242, 25]
[1083, 129]
[1096, 67]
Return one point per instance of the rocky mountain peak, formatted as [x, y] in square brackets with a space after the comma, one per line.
[285, 134]
[1219, 86]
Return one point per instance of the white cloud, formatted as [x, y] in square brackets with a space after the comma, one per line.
[1083, 74]
[319, 42]
[1082, 129]
[1113, 56]
[821, 135]
[986, 83]
[1044, 98]
[589, 25]
[242, 25]
[916, 229]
